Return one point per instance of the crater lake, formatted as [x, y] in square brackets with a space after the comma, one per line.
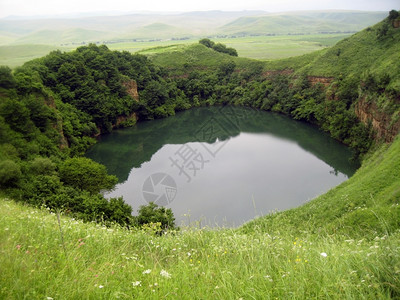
[222, 166]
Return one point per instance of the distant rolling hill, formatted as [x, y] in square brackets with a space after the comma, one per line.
[303, 23]
[156, 30]
[56, 37]
[194, 24]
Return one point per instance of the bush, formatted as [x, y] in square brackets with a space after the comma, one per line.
[393, 14]
[42, 166]
[218, 47]
[120, 212]
[85, 174]
[6, 79]
[223, 49]
[207, 42]
[10, 173]
[152, 214]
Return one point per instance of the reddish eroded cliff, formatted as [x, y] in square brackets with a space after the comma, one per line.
[57, 124]
[122, 119]
[131, 89]
[386, 127]
[281, 72]
[325, 81]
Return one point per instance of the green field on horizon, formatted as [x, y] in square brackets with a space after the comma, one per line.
[256, 47]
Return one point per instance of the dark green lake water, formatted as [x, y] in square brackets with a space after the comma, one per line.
[222, 165]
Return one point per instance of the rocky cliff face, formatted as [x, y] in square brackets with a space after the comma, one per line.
[325, 81]
[273, 73]
[131, 89]
[57, 124]
[386, 127]
[123, 120]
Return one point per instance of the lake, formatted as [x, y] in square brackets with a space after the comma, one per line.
[222, 166]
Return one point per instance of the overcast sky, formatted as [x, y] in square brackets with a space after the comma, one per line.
[49, 7]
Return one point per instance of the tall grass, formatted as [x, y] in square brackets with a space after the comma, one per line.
[115, 263]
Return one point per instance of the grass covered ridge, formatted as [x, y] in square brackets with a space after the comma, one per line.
[293, 254]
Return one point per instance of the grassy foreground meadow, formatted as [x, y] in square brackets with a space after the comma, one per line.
[326, 252]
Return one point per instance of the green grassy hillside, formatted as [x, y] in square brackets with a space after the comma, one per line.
[364, 70]
[17, 55]
[156, 31]
[58, 37]
[364, 51]
[195, 55]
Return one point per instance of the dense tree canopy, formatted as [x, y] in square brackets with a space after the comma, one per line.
[218, 47]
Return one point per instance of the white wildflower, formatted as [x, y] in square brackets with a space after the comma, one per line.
[137, 283]
[324, 254]
[148, 271]
[101, 286]
[165, 274]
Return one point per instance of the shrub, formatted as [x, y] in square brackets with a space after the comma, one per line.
[10, 173]
[85, 174]
[42, 166]
[207, 42]
[151, 213]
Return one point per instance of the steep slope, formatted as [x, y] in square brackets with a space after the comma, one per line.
[370, 62]
[373, 48]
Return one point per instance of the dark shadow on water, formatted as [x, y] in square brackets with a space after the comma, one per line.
[124, 149]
